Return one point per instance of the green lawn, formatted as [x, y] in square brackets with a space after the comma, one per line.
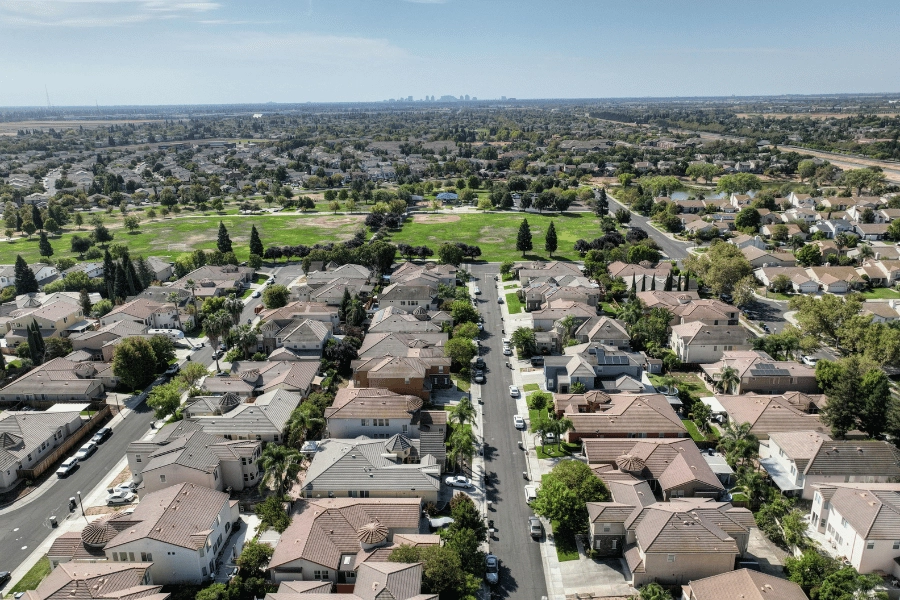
[880, 294]
[551, 451]
[247, 293]
[511, 286]
[687, 382]
[566, 549]
[695, 433]
[531, 387]
[260, 278]
[496, 233]
[33, 577]
[513, 303]
[461, 383]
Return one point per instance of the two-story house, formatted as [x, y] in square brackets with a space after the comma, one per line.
[402, 374]
[596, 414]
[27, 438]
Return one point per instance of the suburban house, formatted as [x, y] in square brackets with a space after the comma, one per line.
[419, 320]
[527, 271]
[378, 413]
[44, 273]
[182, 452]
[859, 522]
[328, 286]
[880, 273]
[541, 290]
[371, 580]
[799, 460]
[366, 468]
[765, 258]
[596, 367]
[832, 227]
[154, 315]
[404, 296]
[98, 581]
[605, 331]
[742, 583]
[544, 318]
[835, 280]
[698, 343]
[56, 315]
[292, 311]
[674, 467]
[327, 533]
[28, 437]
[871, 232]
[303, 338]
[758, 372]
[800, 281]
[402, 344]
[178, 532]
[687, 307]
[595, 414]
[61, 380]
[746, 241]
[95, 341]
[403, 374]
[642, 277]
[212, 281]
[263, 418]
[768, 414]
[251, 378]
[420, 273]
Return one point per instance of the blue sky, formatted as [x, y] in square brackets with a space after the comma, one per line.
[228, 51]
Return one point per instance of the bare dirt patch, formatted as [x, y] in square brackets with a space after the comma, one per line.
[333, 222]
[496, 235]
[435, 218]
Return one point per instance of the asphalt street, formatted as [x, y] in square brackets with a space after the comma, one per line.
[675, 250]
[521, 569]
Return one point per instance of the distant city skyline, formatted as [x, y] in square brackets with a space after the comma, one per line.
[135, 52]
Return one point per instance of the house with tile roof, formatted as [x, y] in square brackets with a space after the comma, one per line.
[391, 468]
[212, 281]
[859, 522]
[641, 276]
[835, 279]
[98, 581]
[317, 311]
[800, 281]
[379, 413]
[406, 295]
[329, 537]
[742, 583]
[93, 341]
[545, 318]
[402, 344]
[54, 314]
[674, 467]
[403, 374]
[28, 437]
[605, 331]
[768, 414]
[250, 378]
[768, 258]
[182, 452]
[263, 418]
[526, 271]
[370, 580]
[59, 381]
[760, 373]
[155, 315]
[799, 460]
[303, 338]
[429, 272]
[596, 414]
[419, 320]
[697, 343]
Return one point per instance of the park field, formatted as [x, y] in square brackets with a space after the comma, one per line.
[168, 238]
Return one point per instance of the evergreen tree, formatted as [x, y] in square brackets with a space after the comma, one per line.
[145, 275]
[550, 240]
[652, 283]
[32, 347]
[120, 285]
[85, 300]
[256, 245]
[345, 304]
[687, 281]
[36, 218]
[44, 247]
[634, 282]
[131, 276]
[26, 282]
[224, 242]
[523, 240]
[667, 287]
[109, 273]
[601, 203]
[38, 336]
[679, 283]
[643, 283]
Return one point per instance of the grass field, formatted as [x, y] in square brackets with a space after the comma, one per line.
[33, 577]
[695, 433]
[530, 387]
[513, 303]
[566, 548]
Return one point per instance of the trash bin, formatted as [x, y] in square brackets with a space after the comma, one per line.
[54, 523]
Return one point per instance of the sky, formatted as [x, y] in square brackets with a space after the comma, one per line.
[113, 52]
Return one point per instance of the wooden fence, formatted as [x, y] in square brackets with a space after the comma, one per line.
[93, 423]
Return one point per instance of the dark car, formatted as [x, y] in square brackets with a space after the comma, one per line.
[479, 362]
[102, 435]
[479, 376]
[726, 298]
[4, 576]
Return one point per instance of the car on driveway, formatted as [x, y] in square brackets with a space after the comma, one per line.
[809, 361]
[513, 391]
[127, 486]
[519, 422]
[67, 466]
[102, 435]
[123, 497]
[458, 481]
[536, 527]
[85, 451]
[491, 568]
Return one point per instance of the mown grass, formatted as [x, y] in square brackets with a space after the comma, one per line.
[551, 451]
[566, 548]
[696, 435]
[531, 387]
[33, 577]
[514, 305]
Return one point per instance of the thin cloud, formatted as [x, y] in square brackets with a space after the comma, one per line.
[97, 13]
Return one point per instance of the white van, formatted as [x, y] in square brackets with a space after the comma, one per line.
[530, 493]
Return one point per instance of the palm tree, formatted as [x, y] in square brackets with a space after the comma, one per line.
[567, 324]
[280, 465]
[173, 298]
[462, 445]
[797, 242]
[700, 414]
[192, 285]
[754, 485]
[216, 326]
[729, 380]
[632, 312]
[561, 427]
[738, 444]
[299, 426]
[463, 413]
[234, 307]
[247, 339]
[865, 251]
[841, 241]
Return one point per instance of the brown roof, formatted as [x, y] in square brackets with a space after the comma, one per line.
[364, 403]
[768, 414]
[628, 412]
[872, 510]
[87, 581]
[745, 584]
[855, 457]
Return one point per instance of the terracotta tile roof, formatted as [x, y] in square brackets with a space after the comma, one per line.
[768, 414]
[365, 403]
[630, 413]
[745, 584]
[89, 581]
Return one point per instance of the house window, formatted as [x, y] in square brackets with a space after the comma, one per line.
[843, 522]
[137, 458]
[146, 557]
[406, 380]
[364, 493]
[115, 556]
[275, 438]
[615, 544]
[162, 478]
[131, 556]
[363, 422]
[870, 545]
[670, 558]
[405, 428]
[606, 528]
[896, 545]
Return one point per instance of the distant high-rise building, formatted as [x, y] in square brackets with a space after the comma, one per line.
[409, 98]
[503, 97]
[467, 96]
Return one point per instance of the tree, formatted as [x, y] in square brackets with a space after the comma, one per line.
[523, 239]
[84, 301]
[280, 465]
[466, 516]
[706, 171]
[720, 267]
[272, 515]
[462, 311]
[217, 326]
[806, 169]
[654, 591]
[44, 247]
[823, 317]
[190, 375]
[753, 484]
[223, 242]
[461, 445]
[623, 216]
[56, 347]
[700, 414]
[164, 349]
[164, 399]
[550, 241]
[256, 245]
[130, 361]
[442, 570]
[564, 492]
[524, 341]
[463, 412]
[26, 282]
[450, 254]
[101, 234]
[460, 350]
[810, 569]
[848, 584]
[858, 396]
[132, 223]
[276, 296]
[729, 380]
[80, 245]
[254, 558]
[748, 219]
[738, 183]
[742, 292]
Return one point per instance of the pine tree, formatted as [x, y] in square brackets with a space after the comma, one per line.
[26, 282]
[643, 283]
[85, 300]
[120, 286]
[36, 218]
[601, 203]
[679, 282]
[224, 241]
[523, 240]
[32, 347]
[345, 304]
[109, 273]
[44, 247]
[145, 275]
[38, 336]
[131, 276]
[667, 286]
[256, 245]
[634, 281]
[687, 281]
[550, 240]
[653, 283]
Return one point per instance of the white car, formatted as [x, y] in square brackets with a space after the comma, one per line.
[519, 422]
[477, 291]
[513, 391]
[809, 361]
[67, 466]
[550, 438]
[256, 294]
[507, 351]
[85, 451]
[123, 497]
[458, 481]
[128, 486]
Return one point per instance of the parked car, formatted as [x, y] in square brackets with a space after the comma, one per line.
[127, 486]
[535, 527]
[550, 438]
[477, 291]
[67, 466]
[4, 576]
[513, 391]
[479, 376]
[519, 422]
[500, 300]
[458, 481]
[85, 451]
[727, 298]
[507, 351]
[479, 362]
[491, 568]
[256, 294]
[123, 497]
[173, 370]
[809, 361]
[102, 435]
